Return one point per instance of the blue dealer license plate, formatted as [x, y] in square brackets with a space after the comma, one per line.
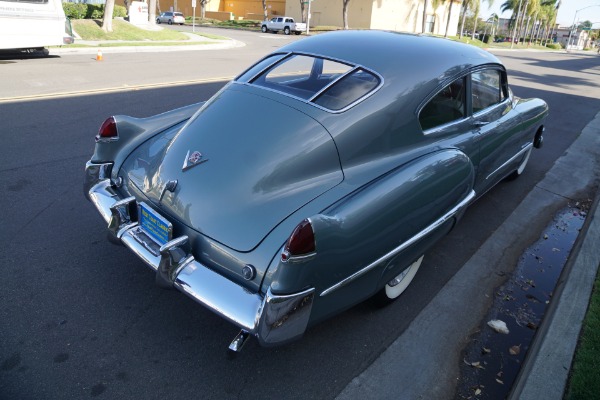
[155, 225]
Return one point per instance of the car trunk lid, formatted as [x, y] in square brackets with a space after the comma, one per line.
[241, 166]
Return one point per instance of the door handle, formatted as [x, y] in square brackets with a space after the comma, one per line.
[480, 123]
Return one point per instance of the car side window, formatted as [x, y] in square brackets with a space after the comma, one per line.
[448, 105]
[486, 88]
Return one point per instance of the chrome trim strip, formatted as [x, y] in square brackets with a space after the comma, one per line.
[404, 245]
[441, 128]
[491, 108]
[330, 84]
[525, 148]
[284, 55]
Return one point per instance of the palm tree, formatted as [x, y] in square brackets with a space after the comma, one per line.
[345, 12]
[448, 20]
[474, 6]
[425, 4]
[108, 16]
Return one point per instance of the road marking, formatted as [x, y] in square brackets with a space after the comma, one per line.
[123, 88]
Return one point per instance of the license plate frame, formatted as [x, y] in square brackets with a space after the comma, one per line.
[154, 225]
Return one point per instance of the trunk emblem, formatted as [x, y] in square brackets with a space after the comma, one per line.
[191, 160]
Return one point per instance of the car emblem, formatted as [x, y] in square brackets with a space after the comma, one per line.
[191, 160]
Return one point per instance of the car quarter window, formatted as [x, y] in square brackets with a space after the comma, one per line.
[486, 89]
[446, 106]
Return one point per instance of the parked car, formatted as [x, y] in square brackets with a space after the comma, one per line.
[316, 179]
[285, 24]
[171, 18]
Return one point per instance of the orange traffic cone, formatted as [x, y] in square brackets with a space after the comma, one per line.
[99, 55]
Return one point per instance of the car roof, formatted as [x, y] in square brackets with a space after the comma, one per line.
[394, 54]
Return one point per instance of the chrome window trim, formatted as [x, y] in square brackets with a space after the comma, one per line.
[353, 68]
[262, 71]
[402, 246]
[439, 128]
[523, 150]
[490, 108]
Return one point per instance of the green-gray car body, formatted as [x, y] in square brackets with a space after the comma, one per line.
[314, 180]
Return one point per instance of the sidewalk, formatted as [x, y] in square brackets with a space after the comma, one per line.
[442, 328]
[200, 43]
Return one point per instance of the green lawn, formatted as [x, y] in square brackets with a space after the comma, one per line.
[585, 372]
[91, 30]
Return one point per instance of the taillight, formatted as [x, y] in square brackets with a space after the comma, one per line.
[301, 242]
[108, 131]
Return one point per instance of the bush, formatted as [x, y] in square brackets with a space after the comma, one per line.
[94, 11]
[119, 11]
[75, 10]
[90, 11]
[554, 46]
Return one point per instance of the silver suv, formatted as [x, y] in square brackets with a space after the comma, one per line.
[171, 18]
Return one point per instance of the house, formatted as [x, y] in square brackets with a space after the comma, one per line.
[396, 15]
[579, 39]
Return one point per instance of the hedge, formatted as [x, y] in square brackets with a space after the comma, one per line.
[90, 11]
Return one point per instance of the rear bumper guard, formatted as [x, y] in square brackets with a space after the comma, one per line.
[273, 319]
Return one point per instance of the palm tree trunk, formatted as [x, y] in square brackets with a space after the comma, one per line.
[425, 4]
[464, 17]
[108, 16]
[448, 20]
[475, 25]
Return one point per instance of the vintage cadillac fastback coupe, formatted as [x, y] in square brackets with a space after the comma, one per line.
[316, 179]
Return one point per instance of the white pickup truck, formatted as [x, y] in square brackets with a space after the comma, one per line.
[285, 24]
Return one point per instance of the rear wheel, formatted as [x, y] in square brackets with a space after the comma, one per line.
[170, 22]
[394, 288]
[286, 30]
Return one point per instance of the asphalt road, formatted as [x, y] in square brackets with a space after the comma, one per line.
[80, 317]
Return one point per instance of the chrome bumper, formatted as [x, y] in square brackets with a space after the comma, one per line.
[272, 319]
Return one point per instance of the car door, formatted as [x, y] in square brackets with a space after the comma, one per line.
[497, 123]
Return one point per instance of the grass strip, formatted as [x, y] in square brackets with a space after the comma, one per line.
[584, 382]
[89, 29]
[136, 44]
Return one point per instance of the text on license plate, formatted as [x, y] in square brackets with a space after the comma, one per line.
[155, 225]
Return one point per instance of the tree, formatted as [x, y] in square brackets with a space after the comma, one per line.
[264, 4]
[203, 4]
[345, 12]
[448, 20]
[152, 12]
[425, 4]
[467, 4]
[304, 17]
[108, 16]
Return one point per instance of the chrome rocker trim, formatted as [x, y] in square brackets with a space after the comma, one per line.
[465, 202]
[273, 319]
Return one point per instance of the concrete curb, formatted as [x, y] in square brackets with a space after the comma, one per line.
[95, 46]
[443, 326]
[546, 369]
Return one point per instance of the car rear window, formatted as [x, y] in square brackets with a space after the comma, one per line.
[329, 84]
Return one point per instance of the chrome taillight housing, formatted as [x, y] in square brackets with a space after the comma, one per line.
[108, 131]
[301, 245]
